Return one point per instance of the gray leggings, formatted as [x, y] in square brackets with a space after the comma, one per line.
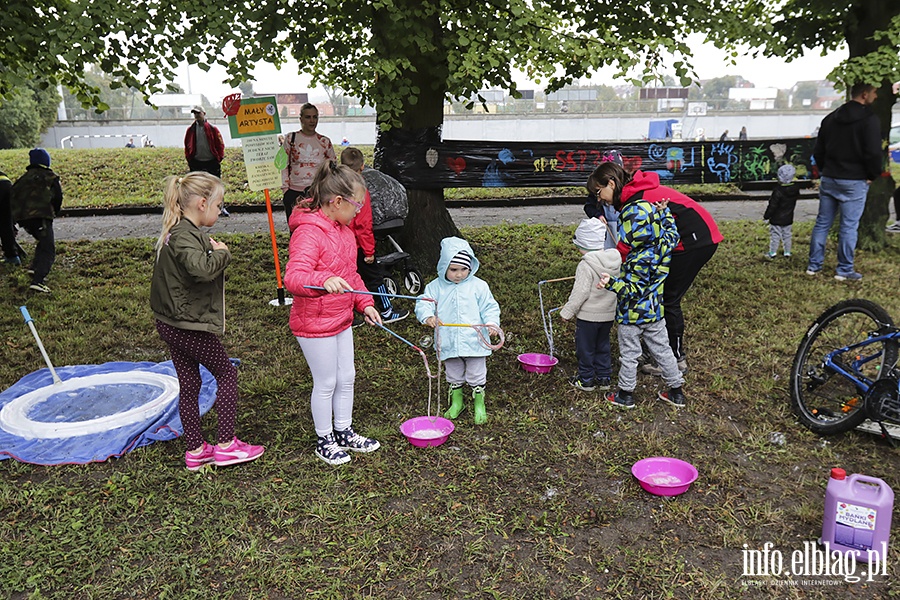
[466, 369]
[782, 234]
[657, 342]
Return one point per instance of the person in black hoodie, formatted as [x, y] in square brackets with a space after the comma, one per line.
[780, 211]
[35, 199]
[848, 155]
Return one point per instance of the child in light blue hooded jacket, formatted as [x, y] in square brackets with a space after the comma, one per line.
[461, 298]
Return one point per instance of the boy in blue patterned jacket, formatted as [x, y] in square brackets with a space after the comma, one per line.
[649, 229]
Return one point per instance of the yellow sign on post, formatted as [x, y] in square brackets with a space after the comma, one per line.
[256, 121]
[255, 116]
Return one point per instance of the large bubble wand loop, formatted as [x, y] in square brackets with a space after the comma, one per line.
[545, 316]
[484, 339]
[421, 352]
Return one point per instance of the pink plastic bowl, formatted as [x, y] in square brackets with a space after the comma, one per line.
[427, 431]
[537, 363]
[664, 476]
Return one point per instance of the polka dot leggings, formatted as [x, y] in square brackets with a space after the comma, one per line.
[189, 350]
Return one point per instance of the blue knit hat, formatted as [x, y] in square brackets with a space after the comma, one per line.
[39, 156]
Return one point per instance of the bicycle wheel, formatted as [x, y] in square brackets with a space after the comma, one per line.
[824, 400]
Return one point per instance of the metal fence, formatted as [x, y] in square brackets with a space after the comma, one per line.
[508, 106]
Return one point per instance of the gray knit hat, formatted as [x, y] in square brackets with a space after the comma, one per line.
[786, 173]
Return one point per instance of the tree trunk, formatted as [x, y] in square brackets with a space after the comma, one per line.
[867, 17]
[428, 221]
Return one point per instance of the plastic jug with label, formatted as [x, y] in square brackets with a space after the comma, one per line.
[858, 515]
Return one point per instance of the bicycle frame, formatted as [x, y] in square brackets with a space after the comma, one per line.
[853, 374]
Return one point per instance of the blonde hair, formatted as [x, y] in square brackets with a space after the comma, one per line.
[179, 192]
[331, 180]
[353, 158]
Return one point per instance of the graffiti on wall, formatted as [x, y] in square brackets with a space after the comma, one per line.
[522, 164]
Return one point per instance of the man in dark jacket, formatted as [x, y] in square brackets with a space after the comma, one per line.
[35, 199]
[204, 147]
[848, 155]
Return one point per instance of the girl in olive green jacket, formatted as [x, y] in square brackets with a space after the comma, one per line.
[187, 298]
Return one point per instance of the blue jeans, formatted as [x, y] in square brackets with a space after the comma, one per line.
[847, 196]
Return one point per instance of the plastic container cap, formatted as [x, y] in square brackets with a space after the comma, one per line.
[838, 473]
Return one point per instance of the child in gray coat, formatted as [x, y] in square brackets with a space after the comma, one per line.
[780, 211]
[593, 309]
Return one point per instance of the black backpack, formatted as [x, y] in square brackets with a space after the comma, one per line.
[31, 196]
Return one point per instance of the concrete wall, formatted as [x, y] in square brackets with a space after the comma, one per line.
[525, 128]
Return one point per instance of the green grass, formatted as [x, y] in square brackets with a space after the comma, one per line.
[539, 503]
[119, 177]
[116, 177]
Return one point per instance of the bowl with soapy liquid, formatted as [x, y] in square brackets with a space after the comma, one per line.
[664, 476]
[423, 432]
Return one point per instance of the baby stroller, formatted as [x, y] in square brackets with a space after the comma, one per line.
[389, 209]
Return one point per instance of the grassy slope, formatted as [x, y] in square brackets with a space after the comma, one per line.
[539, 503]
[133, 177]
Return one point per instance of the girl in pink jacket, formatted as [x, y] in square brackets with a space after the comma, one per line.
[323, 254]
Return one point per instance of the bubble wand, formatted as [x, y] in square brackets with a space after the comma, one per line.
[485, 340]
[40, 344]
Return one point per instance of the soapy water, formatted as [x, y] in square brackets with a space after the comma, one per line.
[88, 405]
[663, 479]
[427, 434]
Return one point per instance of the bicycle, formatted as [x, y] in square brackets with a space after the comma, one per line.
[845, 370]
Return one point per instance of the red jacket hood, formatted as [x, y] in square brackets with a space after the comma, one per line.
[640, 182]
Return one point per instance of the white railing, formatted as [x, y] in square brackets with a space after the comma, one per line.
[144, 139]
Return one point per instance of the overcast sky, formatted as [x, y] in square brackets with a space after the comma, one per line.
[708, 61]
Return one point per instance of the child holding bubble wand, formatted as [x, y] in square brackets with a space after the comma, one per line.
[462, 297]
[323, 254]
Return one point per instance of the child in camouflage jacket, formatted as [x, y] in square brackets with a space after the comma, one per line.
[649, 229]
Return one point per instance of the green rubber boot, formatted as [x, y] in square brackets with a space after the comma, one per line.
[455, 395]
[478, 398]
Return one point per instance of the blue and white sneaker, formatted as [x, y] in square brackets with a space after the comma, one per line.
[328, 450]
[854, 276]
[350, 440]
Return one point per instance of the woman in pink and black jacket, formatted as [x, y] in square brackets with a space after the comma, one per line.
[699, 239]
[323, 256]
